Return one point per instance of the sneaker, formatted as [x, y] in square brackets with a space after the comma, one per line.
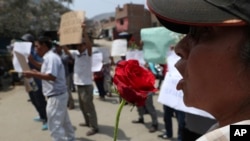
[45, 127]
[92, 132]
[38, 119]
[164, 136]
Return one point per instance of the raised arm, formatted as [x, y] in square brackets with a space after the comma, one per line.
[88, 42]
[66, 51]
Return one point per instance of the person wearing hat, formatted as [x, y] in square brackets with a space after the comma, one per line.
[215, 57]
[36, 97]
[55, 89]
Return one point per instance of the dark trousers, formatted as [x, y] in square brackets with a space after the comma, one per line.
[100, 86]
[85, 94]
[161, 78]
[168, 114]
[38, 100]
[189, 135]
[149, 106]
[71, 82]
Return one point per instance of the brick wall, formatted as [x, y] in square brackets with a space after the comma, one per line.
[134, 17]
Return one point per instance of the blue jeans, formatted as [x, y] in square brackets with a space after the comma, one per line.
[168, 114]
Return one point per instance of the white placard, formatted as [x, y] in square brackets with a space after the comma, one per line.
[169, 95]
[105, 52]
[136, 55]
[119, 47]
[97, 63]
[20, 62]
[23, 48]
[16, 65]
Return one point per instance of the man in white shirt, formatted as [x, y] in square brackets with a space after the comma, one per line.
[55, 89]
[83, 81]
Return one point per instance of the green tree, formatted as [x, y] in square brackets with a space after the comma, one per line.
[20, 16]
[15, 17]
[68, 1]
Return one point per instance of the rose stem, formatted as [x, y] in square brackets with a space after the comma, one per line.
[118, 118]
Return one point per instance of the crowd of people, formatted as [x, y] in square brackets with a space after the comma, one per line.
[51, 65]
[213, 63]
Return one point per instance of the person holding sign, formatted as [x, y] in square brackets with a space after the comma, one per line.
[71, 34]
[37, 98]
[55, 89]
[214, 59]
[83, 81]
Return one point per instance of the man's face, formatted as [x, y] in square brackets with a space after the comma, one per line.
[40, 49]
[211, 67]
[81, 47]
[58, 49]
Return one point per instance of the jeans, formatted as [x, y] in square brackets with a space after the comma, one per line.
[168, 114]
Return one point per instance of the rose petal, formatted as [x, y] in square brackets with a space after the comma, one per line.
[132, 96]
[133, 82]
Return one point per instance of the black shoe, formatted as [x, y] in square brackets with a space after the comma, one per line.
[153, 128]
[164, 136]
[138, 121]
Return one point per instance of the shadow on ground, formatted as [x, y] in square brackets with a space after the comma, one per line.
[108, 131]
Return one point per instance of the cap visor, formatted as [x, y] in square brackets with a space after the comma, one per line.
[185, 13]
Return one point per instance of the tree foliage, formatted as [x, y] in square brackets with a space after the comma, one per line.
[68, 1]
[20, 16]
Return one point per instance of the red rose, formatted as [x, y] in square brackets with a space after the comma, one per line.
[133, 82]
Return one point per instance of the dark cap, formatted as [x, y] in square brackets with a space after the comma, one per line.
[178, 15]
[45, 40]
[27, 37]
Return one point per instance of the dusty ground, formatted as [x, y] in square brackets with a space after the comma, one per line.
[16, 120]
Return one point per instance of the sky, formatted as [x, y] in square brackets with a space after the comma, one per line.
[95, 7]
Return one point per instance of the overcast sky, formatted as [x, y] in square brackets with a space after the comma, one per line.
[95, 7]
